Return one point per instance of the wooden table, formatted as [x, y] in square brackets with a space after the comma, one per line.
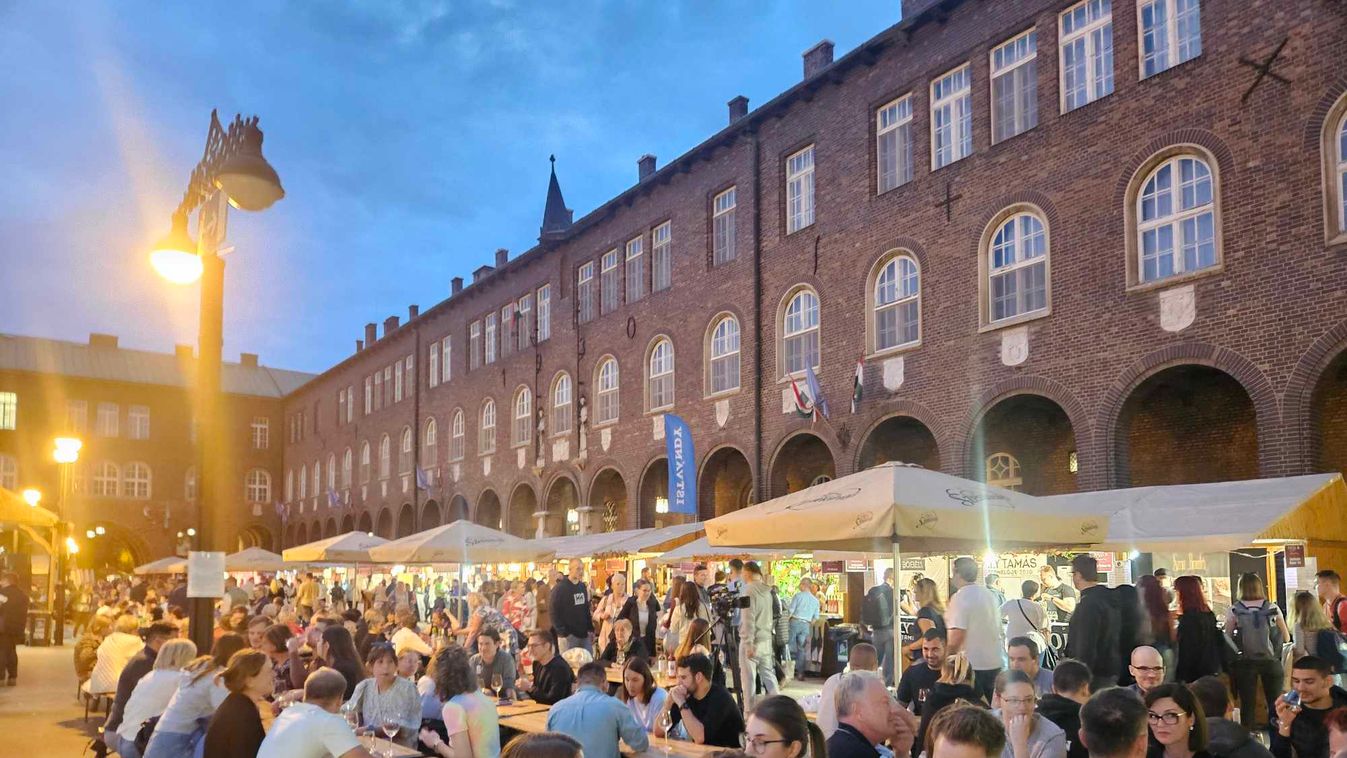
[536, 721]
[661, 680]
[379, 746]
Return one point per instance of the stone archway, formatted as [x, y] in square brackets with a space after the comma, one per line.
[330, 528]
[802, 461]
[117, 549]
[458, 509]
[430, 515]
[523, 504]
[406, 520]
[562, 500]
[653, 498]
[302, 534]
[1328, 412]
[488, 510]
[365, 523]
[254, 535]
[608, 502]
[384, 526]
[347, 524]
[725, 484]
[1025, 442]
[900, 438]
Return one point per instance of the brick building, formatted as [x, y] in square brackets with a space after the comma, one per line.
[134, 479]
[1076, 246]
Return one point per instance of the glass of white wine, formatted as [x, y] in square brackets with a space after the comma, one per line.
[666, 725]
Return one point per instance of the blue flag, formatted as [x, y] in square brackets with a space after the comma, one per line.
[333, 500]
[422, 479]
[819, 402]
[682, 465]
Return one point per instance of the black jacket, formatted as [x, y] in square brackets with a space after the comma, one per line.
[13, 612]
[1201, 647]
[847, 742]
[1065, 713]
[635, 649]
[1092, 637]
[552, 681]
[941, 695]
[1230, 740]
[1309, 736]
[1129, 628]
[631, 613]
[571, 613]
[235, 729]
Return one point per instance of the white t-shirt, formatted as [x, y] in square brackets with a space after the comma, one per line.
[974, 609]
[1017, 625]
[473, 713]
[149, 699]
[827, 706]
[306, 731]
[412, 640]
[196, 698]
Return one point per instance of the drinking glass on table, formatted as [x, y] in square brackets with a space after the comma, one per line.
[390, 729]
[665, 725]
[496, 684]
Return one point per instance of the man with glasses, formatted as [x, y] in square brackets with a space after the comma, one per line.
[1148, 668]
[552, 677]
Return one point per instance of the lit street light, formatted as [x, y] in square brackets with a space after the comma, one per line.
[66, 452]
[32, 496]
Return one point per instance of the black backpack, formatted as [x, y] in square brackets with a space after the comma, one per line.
[875, 609]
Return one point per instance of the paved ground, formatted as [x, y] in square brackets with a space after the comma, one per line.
[41, 716]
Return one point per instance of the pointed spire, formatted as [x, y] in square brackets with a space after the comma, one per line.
[556, 216]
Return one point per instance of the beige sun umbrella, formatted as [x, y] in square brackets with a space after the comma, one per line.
[460, 542]
[255, 559]
[352, 547]
[170, 565]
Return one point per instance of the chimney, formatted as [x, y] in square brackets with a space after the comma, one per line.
[502, 256]
[481, 273]
[913, 8]
[457, 285]
[102, 340]
[359, 345]
[738, 108]
[412, 312]
[645, 167]
[182, 352]
[371, 334]
[248, 359]
[817, 58]
[390, 325]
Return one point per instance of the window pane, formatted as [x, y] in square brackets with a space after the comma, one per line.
[661, 274]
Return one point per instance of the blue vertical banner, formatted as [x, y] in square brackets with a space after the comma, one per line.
[682, 465]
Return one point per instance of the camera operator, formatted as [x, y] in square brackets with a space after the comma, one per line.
[756, 635]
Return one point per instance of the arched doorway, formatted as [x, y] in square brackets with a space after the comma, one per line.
[488, 510]
[1328, 411]
[562, 501]
[458, 509]
[608, 502]
[302, 534]
[803, 461]
[725, 484]
[652, 502]
[1187, 424]
[1025, 443]
[406, 520]
[903, 439]
[523, 504]
[330, 528]
[347, 524]
[290, 536]
[117, 549]
[365, 523]
[430, 515]
[384, 526]
[255, 535]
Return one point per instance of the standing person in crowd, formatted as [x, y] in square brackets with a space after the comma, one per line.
[993, 584]
[699, 639]
[689, 607]
[610, 608]
[597, 720]
[756, 635]
[778, 727]
[1028, 734]
[1314, 635]
[919, 679]
[1256, 630]
[571, 619]
[306, 597]
[1200, 650]
[1178, 725]
[1092, 637]
[623, 645]
[877, 615]
[237, 729]
[974, 619]
[1023, 654]
[867, 716]
[1059, 597]
[1225, 738]
[645, 699]
[149, 696]
[138, 667]
[512, 605]
[542, 745]
[542, 594]
[529, 599]
[1025, 616]
[706, 711]
[13, 622]
[929, 610]
[386, 697]
[671, 596]
[1157, 620]
[1147, 668]
[1130, 623]
[966, 731]
[955, 683]
[470, 718]
[314, 728]
[552, 677]
[804, 611]
[642, 611]
[1300, 730]
[491, 661]
[114, 653]
[1070, 691]
[199, 693]
[483, 615]
[1113, 724]
[1329, 585]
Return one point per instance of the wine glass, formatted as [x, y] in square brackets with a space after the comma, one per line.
[390, 729]
[496, 684]
[665, 724]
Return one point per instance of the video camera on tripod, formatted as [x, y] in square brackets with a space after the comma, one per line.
[724, 602]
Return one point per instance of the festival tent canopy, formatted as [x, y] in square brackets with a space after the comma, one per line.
[170, 565]
[701, 550]
[255, 559]
[594, 545]
[352, 547]
[649, 542]
[460, 542]
[15, 510]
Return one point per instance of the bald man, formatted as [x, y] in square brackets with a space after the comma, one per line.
[1148, 668]
[314, 728]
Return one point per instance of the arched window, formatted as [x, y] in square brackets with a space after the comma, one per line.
[724, 351]
[303, 481]
[1017, 268]
[405, 451]
[332, 471]
[522, 429]
[561, 404]
[385, 456]
[800, 332]
[897, 303]
[107, 479]
[257, 486]
[659, 387]
[346, 469]
[606, 395]
[1335, 152]
[1003, 470]
[431, 457]
[317, 479]
[189, 484]
[289, 484]
[456, 437]
[364, 462]
[136, 481]
[1176, 219]
[9, 472]
[486, 431]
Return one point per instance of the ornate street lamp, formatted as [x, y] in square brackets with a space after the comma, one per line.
[66, 452]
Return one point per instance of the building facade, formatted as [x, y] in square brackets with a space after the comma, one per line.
[1066, 245]
[134, 488]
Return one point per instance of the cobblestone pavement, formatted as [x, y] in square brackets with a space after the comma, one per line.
[41, 717]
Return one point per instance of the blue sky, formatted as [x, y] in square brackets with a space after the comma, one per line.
[412, 138]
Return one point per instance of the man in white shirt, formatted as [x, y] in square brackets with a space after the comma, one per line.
[313, 728]
[408, 636]
[974, 622]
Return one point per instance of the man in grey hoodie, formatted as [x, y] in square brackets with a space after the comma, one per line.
[1225, 738]
[756, 651]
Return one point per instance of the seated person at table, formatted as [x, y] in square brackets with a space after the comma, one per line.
[407, 634]
[386, 697]
[623, 646]
[864, 657]
[643, 697]
[596, 719]
[779, 720]
[237, 728]
[314, 728]
[469, 717]
[552, 677]
[920, 678]
[542, 745]
[491, 661]
[707, 711]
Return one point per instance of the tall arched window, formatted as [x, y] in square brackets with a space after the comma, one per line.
[136, 481]
[189, 484]
[385, 456]
[659, 388]
[1017, 268]
[346, 469]
[1003, 470]
[561, 404]
[405, 451]
[1176, 219]
[486, 431]
[431, 455]
[257, 486]
[521, 431]
[1336, 153]
[303, 481]
[289, 484]
[364, 462]
[332, 471]
[800, 332]
[897, 303]
[456, 434]
[606, 392]
[9, 472]
[724, 351]
[317, 479]
[107, 479]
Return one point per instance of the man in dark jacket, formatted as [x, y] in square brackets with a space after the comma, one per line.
[571, 615]
[1070, 690]
[1092, 637]
[1225, 738]
[1127, 602]
[552, 675]
[13, 621]
[1300, 729]
[867, 716]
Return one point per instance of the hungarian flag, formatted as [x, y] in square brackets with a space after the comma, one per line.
[856, 386]
[803, 404]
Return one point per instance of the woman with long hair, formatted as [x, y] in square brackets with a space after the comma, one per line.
[336, 649]
[955, 684]
[1311, 626]
[470, 719]
[644, 698]
[199, 694]
[699, 639]
[386, 697]
[778, 728]
[1199, 646]
[1256, 626]
[1178, 725]
[151, 695]
[930, 612]
[237, 730]
[690, 608]
[1155, 610]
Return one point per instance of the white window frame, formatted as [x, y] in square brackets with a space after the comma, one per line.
[725, 343]
[489, 338]
[385, 457]
[1025, 45]
[9, 411]
[607, 388]
[107, 480]
[723, 214]
[408, 381]
[893, 144]
[405, 456]
[475, 345]
[1339, 137]
[190, 484]
[76, 415]
[378, 390]
[544, 329]
[1174, 44]
[661, 257]
[260, 432]
[800, 190]
[802, 330]
[446, 359]
[137, 481]
[1009, 473]
[332, 471]
[1176, 218]
[952, 105]
[9, 472]
[1095, 36]
[562, 404]
[507, 327]
[524, 324]
[433, 365]
[610, 291]
[317, 480]
[397, 385]
[431, 444]
[660, 376]
[138, 422]
[522, 429]
[366, 465]
[108, 420]
[584, 292]
[1022, 248]
[486, 430]
[347, 461]
[457, 435]
[902, 299]
[635, 269]
[369, 396]
[257, 486]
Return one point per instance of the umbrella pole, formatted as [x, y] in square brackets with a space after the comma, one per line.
[897, 611]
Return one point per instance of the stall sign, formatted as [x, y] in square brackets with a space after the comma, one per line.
[687, 567]
[1105, 561]
[914, 564]
[614, 565]
[856, 567]
[832, 567]
[1295, 556]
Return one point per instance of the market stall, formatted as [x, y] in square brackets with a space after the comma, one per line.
[338, 555]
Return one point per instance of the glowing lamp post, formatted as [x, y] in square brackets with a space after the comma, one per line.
[66, 453]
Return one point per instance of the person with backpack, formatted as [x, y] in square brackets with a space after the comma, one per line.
[1256, 629]
[877, 614]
